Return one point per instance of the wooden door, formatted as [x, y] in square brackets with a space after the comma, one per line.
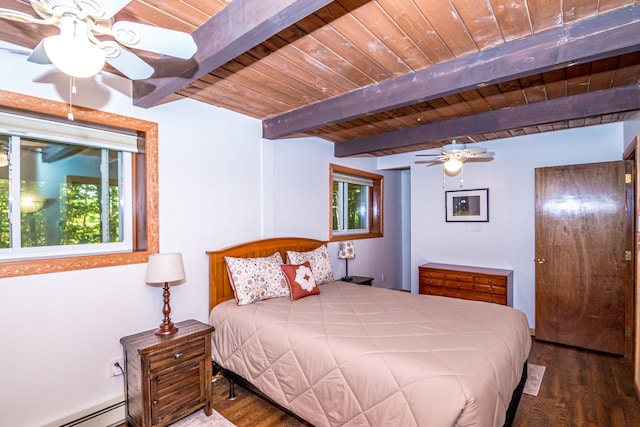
[582, 229]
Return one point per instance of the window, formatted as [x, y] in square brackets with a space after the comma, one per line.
[356, 204]
[74, 195]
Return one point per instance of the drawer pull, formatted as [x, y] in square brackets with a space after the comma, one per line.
[178, 355]
[155, 402]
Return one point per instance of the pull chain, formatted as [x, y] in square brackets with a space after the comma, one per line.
[72, 91]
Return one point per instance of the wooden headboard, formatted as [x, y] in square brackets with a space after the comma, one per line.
[219, 286]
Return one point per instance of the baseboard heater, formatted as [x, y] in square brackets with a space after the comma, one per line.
[107, 415]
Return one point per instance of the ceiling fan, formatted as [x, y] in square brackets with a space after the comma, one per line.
[79, 50]
[455, 154]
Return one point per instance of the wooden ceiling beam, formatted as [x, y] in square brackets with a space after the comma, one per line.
[239, 27]
[616, 100]
[604, 36]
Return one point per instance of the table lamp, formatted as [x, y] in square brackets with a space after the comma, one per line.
[346, 252]
[167, 269]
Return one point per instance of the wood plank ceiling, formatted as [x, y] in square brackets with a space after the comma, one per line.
[380, 77]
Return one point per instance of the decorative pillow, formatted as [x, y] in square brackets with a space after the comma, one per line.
[319, 260]
[300, 280]
[256, 279]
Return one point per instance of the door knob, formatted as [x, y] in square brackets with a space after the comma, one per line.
[540, 260]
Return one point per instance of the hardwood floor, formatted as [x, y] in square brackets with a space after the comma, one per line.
[580, 388]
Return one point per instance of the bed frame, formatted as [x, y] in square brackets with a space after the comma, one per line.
[220, 290]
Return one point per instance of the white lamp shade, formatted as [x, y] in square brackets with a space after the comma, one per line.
[165, 268]
[346, 250]
[72, 51]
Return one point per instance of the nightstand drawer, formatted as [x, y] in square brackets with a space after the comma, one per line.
[176, 354]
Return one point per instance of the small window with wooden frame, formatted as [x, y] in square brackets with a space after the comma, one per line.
[141, 203]
[355, 205]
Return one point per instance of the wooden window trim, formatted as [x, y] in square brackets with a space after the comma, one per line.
[375, 210]
[145, 183]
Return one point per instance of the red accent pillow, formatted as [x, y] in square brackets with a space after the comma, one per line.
[300, 280]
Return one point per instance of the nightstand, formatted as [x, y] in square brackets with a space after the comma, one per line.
[167, 377]
[361, 280]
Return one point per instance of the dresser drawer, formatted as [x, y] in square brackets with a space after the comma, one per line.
[432, 290]
[425, 273]
[459, 277]
[172, 355]
[459, 285]
[496, 299]
[491, 289]
[489, 280]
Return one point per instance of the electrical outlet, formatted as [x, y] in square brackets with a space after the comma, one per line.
[114, 370]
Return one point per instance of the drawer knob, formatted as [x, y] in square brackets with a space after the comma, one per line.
[458, 285]
[178, 355]
[489, 280]
[155, 402]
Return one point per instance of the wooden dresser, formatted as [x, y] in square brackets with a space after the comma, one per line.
[167, 378]
[461, 281]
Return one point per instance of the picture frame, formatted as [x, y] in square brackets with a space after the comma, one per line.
[467, 205]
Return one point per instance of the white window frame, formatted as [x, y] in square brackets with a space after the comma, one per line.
[125, 143]
[343, 199]
[374, 202]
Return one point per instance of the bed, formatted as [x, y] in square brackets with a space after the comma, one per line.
[360, 356]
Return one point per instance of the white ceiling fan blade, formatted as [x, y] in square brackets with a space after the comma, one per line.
[39, 56]
[475, 150]
[14, 15]
[125, 61]
[154, 39]
[109, 7]
[485, 154]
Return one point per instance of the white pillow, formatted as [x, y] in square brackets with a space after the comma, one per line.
[319, 260]
[256, 279]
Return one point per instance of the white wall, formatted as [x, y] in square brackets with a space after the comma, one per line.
[216, 178]
[301, 191]
[631, 129]
[507, 240]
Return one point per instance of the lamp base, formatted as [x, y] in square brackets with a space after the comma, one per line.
[347, 279]
[166, 329]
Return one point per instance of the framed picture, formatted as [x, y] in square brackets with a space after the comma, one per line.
[467, 205]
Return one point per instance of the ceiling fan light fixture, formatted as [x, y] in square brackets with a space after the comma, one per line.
[453, 165]
[72, 51]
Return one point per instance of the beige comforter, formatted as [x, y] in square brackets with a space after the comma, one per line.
[361, 356]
